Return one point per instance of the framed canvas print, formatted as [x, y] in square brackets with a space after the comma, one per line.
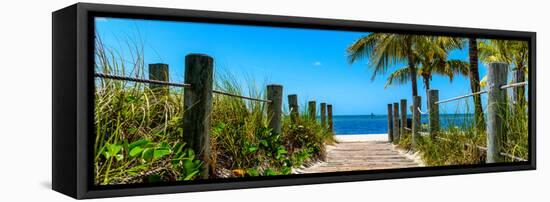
[155, 100]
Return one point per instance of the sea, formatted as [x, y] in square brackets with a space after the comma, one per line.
[378, 124]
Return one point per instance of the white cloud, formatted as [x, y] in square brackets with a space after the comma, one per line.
[317, 63]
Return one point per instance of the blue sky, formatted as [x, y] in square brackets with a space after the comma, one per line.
[308, 62]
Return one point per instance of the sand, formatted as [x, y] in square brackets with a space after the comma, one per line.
[361, 137]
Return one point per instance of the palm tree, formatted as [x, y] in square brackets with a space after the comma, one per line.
[514, 53]
[432, 63]
[385, 50]
[474, 82]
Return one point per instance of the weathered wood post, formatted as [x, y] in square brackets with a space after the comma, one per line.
[416, 119]
[293, 107]
[323, 114]
[159, 72]
[433, 97]
[390, 123]
[403, 117]
[312, 110]
[275, 107]
[497, 76]
[329, 111]
[396, 122]
[519, 91]
[198, 107]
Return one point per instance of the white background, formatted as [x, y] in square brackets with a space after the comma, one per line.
[25, 99]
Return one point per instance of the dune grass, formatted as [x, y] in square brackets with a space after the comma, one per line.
[461, 142]
[138, 137]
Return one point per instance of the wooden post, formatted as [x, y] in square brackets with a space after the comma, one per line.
[396, 122]
[323, 114]
[198, 107]
[159, 72]
[518, 92]
[497, 76]
[433, 97]
[403, 117]
[293, 107]
[274, 108]
[417, 100]
[390, 123]
[312, 110]
[329, 111]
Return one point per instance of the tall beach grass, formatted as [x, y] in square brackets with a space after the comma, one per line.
[139, 136]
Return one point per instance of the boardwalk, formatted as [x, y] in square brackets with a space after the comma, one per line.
[365, 155]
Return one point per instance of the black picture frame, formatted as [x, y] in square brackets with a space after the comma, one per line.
[73, 87]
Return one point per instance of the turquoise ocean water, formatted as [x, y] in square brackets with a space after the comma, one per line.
[378, 124]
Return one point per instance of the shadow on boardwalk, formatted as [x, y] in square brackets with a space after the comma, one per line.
[365, 155]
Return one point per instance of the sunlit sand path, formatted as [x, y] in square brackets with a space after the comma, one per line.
[361, 152]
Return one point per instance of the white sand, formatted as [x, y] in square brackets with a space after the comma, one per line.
[361, 137]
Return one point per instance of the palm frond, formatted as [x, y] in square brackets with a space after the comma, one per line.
[398, 77]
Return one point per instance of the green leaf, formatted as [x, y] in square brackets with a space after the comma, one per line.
[264, 143]
[138, 143]
[188, 165]
[147, 154]
[252, 149]
[280, 152]
[136, 151]
[286, 170]
[113, 150]
[178, 147]
[164, 145]
[119, 157]
[269, 172]
[190, 154]
[252, 172]
[106, 154]
[159, 153]
[191, 175]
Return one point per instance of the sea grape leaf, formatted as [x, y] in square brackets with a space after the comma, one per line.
[112, 150]
[164, 145]
[136, 151]
[147, 154]
[137, 143]
[190, 154]
[159, 153]
[189, 166]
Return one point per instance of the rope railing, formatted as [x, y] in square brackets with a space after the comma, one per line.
[514, 85]
[183, 85]
[481, 92]
[496, 90]
[421, 112]
[461, 97]
[124, 78]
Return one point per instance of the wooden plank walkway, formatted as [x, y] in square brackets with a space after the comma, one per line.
[366, 155]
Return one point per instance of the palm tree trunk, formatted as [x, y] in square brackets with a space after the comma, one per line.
[427, 86]
[474, 83]
[412, 69]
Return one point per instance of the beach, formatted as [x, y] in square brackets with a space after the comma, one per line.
[361, 137]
